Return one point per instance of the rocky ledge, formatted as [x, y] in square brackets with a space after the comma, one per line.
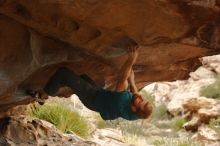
[91, 37]
[28, 131]
[182, 98]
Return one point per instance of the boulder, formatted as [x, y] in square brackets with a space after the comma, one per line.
[182, 98]
[28, 131]
[202, 73]
[90, 37]
[200, 110]
[16, 110]
[206, 108]
[208, 136]
[212, 63]
[24, 130]
[108, 137]
[193, 124]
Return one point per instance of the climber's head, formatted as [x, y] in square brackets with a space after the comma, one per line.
[141, 107]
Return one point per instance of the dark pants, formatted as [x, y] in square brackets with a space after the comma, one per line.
[84, 88]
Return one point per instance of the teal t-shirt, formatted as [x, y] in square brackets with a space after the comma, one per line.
[112, 105]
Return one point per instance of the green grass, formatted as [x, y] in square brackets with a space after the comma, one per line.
[100, 122]
[178, 123]
[159, 112]
[62, 117]
[212, 91]
[135, 140]
[148, 96]
[215, 124]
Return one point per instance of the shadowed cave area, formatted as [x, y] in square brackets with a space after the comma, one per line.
[87, 36]
[91, 37]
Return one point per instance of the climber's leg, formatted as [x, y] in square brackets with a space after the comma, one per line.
[83, 89]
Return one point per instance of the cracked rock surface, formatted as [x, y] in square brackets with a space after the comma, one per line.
[91, 37]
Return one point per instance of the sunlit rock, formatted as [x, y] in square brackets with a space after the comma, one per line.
[208, 136]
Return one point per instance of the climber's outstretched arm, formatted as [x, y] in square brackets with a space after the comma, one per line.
[133, 86]
[126, 69]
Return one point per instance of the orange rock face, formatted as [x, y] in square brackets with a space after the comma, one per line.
[38, 36]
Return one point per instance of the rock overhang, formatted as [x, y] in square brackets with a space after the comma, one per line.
[39, 36]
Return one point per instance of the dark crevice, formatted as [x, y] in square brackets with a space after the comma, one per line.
[124, 42]
[20, 10]
[2, 2]
[85, 53]
[206, 34]
[94, 35]
[66, 24]
[3, 126]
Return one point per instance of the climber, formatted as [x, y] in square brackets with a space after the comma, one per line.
[110, 104]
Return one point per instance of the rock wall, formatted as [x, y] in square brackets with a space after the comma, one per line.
[91, 37]
[182, 98]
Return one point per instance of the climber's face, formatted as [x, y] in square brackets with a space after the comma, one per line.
[140, 106]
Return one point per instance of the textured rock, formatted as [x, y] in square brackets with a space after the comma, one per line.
[186, 98]
[193, 124]
[206, 108]
[208, 136]
[182, 98]
[90, 37]
[108, 137]
[22, 130]
[16, 110]
[28, 131]
[212, 63]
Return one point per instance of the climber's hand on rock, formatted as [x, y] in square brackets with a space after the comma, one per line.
[133, 52]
